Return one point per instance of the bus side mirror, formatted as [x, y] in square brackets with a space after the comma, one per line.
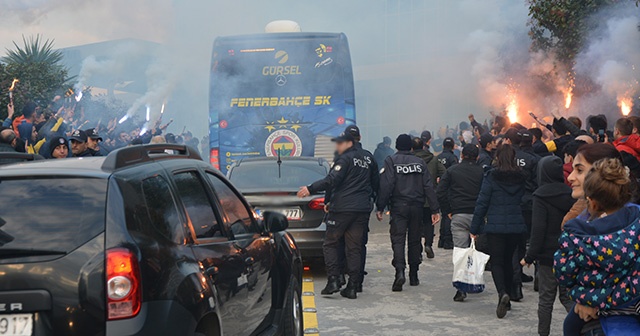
[274, 222]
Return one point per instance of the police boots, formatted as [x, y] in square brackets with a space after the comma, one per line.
[399, 281]
[350, 291]
[413, 276]
[333, 286]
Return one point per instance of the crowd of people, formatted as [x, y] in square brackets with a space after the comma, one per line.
[561, 198]
[61, 130]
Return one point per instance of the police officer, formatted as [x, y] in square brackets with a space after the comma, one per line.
[352, 181]
[405, 185]
[355, 132]
[447, 157]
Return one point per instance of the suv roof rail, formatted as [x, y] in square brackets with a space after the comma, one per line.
[20, 156]
[129, 156]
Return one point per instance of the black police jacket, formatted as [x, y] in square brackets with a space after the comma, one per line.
[529, 165]
[86, 153]
[447, 158]
[485, 160]
[352, 182]
[459, 188]
[405, 180]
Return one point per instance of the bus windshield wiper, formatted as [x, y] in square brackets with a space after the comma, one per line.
[18, 252]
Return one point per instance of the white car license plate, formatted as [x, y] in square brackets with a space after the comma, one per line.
[16, 325]
[291, 214]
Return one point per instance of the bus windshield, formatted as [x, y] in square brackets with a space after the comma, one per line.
[278, 94]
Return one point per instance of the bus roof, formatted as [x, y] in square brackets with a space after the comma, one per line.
[220, 40]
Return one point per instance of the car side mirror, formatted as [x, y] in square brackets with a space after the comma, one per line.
[274, 221]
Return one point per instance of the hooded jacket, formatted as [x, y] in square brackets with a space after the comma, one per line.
[381, 153]
[597, 260]
[629, 144]
[551, 201]
[500, 202]
[434, 166]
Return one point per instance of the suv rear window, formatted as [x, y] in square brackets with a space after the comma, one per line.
[51, 214]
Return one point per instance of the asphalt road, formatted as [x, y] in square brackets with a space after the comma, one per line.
[428, 309]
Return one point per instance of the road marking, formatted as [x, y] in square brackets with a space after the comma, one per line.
[309, 310]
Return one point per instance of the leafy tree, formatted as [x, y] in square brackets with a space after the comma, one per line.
[39, 68]
[560, 26]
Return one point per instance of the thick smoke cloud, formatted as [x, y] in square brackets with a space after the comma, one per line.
[611, 58]
[419, 64]
[412, 71]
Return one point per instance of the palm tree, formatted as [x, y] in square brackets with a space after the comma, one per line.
[40, 69]
[34, 51]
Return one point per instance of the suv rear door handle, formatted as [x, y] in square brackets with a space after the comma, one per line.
[249, 261]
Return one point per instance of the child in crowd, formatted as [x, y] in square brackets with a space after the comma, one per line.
[597, 259]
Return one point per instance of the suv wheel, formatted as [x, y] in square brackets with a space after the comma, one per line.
[293, 320]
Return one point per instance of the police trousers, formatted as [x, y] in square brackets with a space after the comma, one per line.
[406, 226]
[349, 227]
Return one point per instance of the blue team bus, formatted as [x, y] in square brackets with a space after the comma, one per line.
[278, 94]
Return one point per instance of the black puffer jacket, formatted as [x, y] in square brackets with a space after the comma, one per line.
[551, 202]
[500, 203]
[459, 188]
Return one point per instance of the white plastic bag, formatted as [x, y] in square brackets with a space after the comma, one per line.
[468, 269]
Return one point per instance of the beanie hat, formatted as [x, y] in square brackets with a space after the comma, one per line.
[55, 142]
[403, 142]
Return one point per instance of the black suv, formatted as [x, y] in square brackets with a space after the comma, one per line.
[149, 240]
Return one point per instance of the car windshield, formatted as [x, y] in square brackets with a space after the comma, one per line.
[263, 175]
[50, 215]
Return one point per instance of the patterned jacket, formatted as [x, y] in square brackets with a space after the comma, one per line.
[597, 260]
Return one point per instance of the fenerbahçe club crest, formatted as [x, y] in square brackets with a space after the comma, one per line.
[286, 141]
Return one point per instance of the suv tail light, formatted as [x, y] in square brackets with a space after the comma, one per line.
[317, 204]
[124, 294]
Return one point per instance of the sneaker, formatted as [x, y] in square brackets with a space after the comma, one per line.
[460, 296]
[503, 306]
